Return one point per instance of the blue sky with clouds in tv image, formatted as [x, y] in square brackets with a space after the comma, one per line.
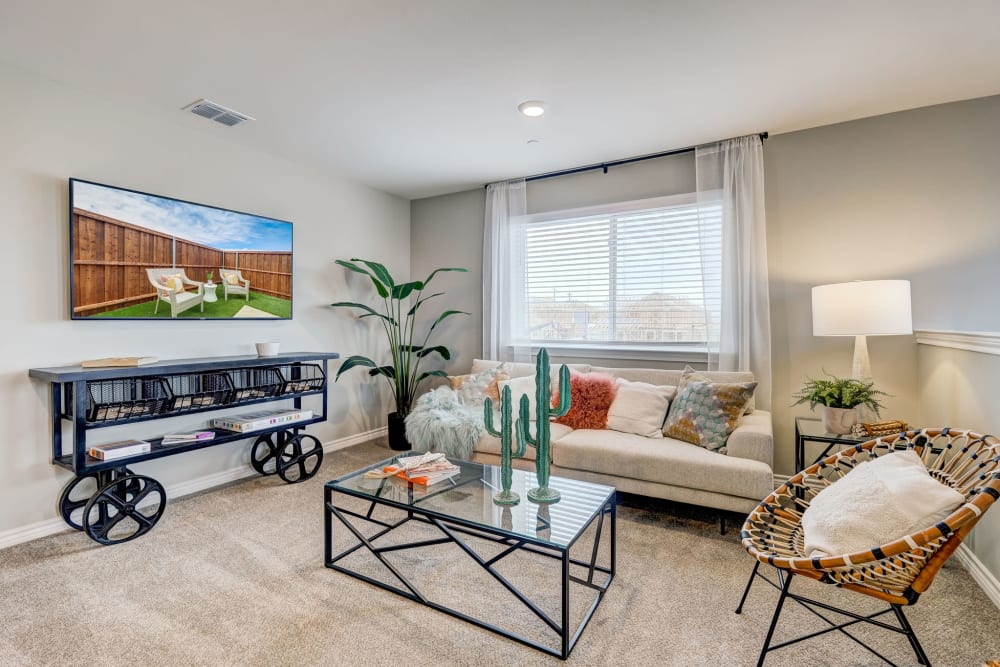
[218, 228]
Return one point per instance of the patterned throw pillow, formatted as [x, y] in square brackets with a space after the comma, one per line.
[591, 396]
[174, 282]
[474, 389]
[233, 278]
[696, 375]
[705, 413]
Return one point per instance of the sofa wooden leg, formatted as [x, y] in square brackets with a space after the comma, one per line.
[722, 523]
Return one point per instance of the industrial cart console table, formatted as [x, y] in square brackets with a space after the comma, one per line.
[113, 504]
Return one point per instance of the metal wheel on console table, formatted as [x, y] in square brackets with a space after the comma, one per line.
[264, 453]
[112, 506]
[300, 458]
[124, 509]
[294, 457]
[79, 490]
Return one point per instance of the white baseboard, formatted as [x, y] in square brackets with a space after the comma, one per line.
[986, 580]
[46, 527]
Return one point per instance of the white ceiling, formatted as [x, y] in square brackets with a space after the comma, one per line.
[419, 97]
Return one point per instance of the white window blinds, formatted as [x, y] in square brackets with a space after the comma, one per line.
[635, 276]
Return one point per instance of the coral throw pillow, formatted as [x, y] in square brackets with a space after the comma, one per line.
[591, 395]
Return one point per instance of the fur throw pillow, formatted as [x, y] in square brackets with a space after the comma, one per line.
[591, 395]
[440, 423]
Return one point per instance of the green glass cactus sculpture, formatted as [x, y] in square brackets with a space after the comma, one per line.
[544, 412]
[507, 454]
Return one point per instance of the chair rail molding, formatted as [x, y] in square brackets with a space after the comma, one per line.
[985, 342]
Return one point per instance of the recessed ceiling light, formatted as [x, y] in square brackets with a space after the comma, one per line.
[533, 141]
[532, 108]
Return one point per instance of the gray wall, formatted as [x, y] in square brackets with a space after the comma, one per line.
[907, 195]
[51, 132]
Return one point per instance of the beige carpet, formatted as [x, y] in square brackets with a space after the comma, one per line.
[235, 576]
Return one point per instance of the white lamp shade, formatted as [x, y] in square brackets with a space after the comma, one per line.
[862, 308]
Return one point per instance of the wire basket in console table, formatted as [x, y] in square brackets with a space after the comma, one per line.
[111, 503]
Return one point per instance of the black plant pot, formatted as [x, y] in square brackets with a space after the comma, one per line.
[397, 433]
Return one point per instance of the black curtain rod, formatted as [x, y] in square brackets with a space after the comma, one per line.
[615, 163]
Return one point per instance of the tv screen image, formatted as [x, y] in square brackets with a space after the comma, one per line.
[142, 256]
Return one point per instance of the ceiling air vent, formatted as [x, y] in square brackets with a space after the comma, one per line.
[217, 112]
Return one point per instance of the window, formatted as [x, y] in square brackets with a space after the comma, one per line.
[638, 274]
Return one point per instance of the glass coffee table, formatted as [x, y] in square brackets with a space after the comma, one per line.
[564, 551]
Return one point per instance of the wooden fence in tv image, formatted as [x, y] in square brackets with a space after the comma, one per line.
[110, 258]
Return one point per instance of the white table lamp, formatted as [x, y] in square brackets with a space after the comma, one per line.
[862, 308]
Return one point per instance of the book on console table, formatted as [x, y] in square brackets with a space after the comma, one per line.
[118, 450]
[178, 438]
[256, 421]
[118, 362]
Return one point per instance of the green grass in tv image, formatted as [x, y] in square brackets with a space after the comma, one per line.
[221, 309]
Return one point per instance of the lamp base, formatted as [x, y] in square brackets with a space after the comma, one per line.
[861, 369]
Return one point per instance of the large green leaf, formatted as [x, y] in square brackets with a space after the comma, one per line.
[379, 270]
[411, 348]
[380, 286]
[354, 362]
[437, 271]
[371, 312]
[406, 289]
[440, 349]
[444, 315]
[413, 310]
[424, 376]
[387, 371]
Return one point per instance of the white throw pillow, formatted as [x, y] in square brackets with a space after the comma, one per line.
[640, 408]
[878, 502]
[519, 386]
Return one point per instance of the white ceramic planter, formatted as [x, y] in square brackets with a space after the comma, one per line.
[839, 420]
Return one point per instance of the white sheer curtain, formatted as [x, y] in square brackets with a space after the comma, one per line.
[504, 331]
[732, 172]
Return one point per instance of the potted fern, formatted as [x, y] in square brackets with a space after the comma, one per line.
[840, 398]
[397, 314]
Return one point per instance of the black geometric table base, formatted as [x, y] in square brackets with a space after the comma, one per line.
[456, 531]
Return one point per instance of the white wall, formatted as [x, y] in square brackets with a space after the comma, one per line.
[48, 133]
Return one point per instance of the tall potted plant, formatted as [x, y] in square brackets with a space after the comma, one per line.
[840, 398]
[397, 315]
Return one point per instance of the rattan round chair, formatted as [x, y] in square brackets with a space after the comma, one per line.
[897, 572]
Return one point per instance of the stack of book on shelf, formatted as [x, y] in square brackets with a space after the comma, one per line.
[422, 470]
[119, 450]
[179, 438]
[256, 421]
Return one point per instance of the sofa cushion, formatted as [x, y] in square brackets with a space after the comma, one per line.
[591, 396]
[489, 444]
[705, 413]
[662, 376]
[666, 461]
[753, 439]
[517, 369]
[640, 408]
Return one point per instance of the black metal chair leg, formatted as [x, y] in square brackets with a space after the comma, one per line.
[774, 620]
[746, 591]
[911, 635]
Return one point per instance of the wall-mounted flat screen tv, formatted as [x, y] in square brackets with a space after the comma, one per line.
[142, 256]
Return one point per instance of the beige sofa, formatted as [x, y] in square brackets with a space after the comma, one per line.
[663, 468]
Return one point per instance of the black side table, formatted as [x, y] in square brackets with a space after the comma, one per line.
[809, 429]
